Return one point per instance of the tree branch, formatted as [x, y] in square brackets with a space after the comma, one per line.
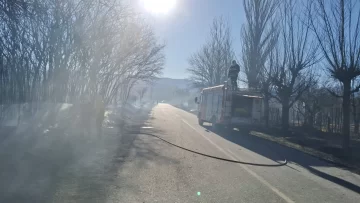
[334, 94]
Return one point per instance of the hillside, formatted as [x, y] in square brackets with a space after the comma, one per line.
[166, 89]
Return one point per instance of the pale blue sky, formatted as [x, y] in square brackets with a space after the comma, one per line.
[186, 27]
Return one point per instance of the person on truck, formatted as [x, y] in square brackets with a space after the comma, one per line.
[233, 74]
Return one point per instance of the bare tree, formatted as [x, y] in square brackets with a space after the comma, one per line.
[73, 50]
[208, 67]
[297, 54]
[336, 25]
[265, 83]
[259, 36]
[315, 99]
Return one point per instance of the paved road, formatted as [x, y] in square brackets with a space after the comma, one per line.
[157, 172]
[61, 166]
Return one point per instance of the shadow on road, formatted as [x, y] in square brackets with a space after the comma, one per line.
[278, 152]
[64, 165]
[142, 152]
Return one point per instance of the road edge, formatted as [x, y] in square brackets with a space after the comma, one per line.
[313, 152]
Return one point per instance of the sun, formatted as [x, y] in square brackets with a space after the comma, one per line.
[159, 6]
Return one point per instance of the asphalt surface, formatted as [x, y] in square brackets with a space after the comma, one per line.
[134, 166]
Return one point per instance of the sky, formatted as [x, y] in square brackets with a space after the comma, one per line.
[186, 26]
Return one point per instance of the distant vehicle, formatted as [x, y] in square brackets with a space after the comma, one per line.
[223, 107]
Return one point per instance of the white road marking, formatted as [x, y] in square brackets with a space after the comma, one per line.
[255, 175]
[262, 180]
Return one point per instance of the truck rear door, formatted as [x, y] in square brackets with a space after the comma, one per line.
[242, 109]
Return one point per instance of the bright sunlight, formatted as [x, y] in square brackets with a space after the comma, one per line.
[159, 6]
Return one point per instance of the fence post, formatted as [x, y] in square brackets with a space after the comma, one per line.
[336, 119]
[321, 121]
[293, 115]
[332, 119]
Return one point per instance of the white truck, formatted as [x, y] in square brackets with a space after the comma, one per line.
[223, 107]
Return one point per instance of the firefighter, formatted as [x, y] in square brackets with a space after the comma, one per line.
[233, 74]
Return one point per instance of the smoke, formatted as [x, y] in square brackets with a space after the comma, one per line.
[52, 156]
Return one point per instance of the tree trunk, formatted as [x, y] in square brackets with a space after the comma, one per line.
[252, 82]
[311, 121]
[346, 114]
[285, 115]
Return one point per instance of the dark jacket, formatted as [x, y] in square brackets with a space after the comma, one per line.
[234, 71]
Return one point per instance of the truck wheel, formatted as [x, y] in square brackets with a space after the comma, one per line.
[201, 122]
[214, 125]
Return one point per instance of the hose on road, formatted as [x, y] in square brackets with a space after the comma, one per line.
[214, 157]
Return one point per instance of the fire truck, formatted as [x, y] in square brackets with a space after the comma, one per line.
[223, 107]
